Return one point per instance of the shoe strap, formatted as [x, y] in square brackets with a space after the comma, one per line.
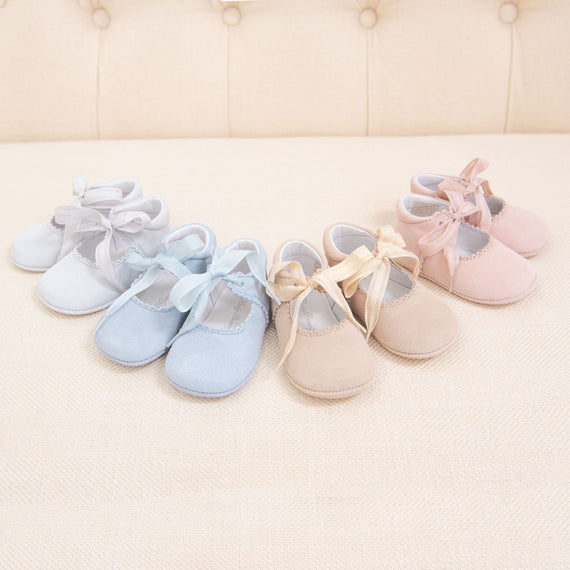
[79, 221]
[444, 236]
[295, 285]
[192, 292]
[389, 245]
[171, 260]
[96, 196]
[469, 184]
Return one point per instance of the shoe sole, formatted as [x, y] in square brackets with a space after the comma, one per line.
[336, 395]
[28, 268]
[64, 311]
[486, 301]
[421, 355]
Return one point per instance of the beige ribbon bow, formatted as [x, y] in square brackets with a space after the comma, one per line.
[301, 286]
[390, 245]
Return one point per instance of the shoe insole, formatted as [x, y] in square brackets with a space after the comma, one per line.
[318, 311]
[226, 310]
[399, 285]
[157, 295]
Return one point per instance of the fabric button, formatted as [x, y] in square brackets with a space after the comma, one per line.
[368, 18]
[508, 12]
[231, 16]
[101, 18]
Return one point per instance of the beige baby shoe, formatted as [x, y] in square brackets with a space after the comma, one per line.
[323, 349]
[401, 314]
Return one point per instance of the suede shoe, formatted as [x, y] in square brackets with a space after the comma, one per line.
[218, 346]
[94, 273]
[401, 314]
[140, 324]
[458, 256]
[523, 231]
[39, 247]
[323, 349]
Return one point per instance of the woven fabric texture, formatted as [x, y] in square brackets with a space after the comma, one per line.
[457, 462]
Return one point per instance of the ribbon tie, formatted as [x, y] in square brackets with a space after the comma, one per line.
[79, 221]
[390, 245]
[444, 236]
[172, 261]
[469, 184]
[300, 287]
[96, 196]
[192, 292]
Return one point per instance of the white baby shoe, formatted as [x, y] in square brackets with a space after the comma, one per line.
[39, 247]
[94, 273]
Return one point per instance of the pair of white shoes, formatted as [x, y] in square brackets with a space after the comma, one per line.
[83, 247]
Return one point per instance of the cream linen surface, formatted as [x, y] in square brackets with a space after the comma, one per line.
[461, 461]
[85, 69]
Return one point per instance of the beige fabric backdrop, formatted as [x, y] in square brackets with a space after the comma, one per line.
[86, 69]
[457, 462]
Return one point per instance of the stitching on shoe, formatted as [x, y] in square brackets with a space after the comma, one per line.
[308, 390]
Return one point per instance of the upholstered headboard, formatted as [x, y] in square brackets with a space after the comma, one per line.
[78, 69]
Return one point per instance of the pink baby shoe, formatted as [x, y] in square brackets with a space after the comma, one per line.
[523, 231]
[468, 261]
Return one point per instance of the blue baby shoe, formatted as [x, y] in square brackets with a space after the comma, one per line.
[140, 324]
[218, 347]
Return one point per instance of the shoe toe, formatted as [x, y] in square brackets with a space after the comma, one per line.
[36, 248]
[335, 363]
[74, 287]
[418, 326]
[136, 335]
[211, 364]
[523, 231]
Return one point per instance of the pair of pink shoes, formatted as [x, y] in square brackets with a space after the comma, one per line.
[324, 348]
[468, 240]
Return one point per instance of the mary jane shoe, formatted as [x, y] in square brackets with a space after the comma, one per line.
[324, 352]
[401, 314]
[39, 247]
[522, 230]
[140, 324]
[218, 346]
[94, 273]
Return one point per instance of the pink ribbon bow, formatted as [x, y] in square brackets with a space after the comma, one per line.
[469, 184]
[444, 236]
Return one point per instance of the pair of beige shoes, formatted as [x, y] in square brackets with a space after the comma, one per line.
[324, 347]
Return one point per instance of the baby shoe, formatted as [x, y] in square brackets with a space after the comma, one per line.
[94, 273]
[218, 347]
[140, 323]
[401, 314]
[458, 256]
[40, 247]
[324, 351]
[523, 231]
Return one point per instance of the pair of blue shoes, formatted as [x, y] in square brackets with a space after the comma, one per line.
[208, 305]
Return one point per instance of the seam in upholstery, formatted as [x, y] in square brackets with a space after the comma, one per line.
[510, 83]
[229, 130]
[97, 90]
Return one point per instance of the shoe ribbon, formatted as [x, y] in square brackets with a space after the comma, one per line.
[390, 245]
[469, 184]
[192, 292]
[297, 286]
[79, 221]
[172, 260]
[444, 236]
[97, 196]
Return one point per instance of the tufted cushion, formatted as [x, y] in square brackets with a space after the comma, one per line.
[183, 68]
